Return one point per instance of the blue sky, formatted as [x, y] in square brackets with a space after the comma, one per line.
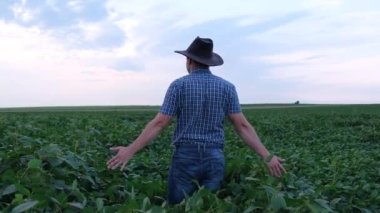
[120, 52]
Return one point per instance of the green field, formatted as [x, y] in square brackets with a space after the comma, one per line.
[54, 160]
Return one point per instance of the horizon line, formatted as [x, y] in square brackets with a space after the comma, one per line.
[157, 105]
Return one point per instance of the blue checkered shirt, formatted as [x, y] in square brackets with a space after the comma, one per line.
[200, 101]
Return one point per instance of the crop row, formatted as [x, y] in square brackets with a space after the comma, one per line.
[55, 162]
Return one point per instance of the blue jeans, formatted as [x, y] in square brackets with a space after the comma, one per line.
[192, 164]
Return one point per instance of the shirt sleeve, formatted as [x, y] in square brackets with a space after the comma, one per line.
[233, 105]
[171, 100]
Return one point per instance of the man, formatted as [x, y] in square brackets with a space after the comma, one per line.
[200, 101]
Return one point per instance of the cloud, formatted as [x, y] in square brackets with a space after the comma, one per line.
[53, 73]
[76, 5]
[22, 13]
[54, 13]
[101, 52]
[34, 64]
[331, 71]
[324, 3]
[339, 30]
[80, 24]
[93, 35]
[331, 52]
[128, 64]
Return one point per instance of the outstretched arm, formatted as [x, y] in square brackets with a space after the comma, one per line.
[249, 136]
[151, 131]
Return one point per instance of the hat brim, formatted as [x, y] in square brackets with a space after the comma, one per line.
[214, 60]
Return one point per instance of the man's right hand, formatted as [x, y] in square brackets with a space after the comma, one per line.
[124, 154]
[275, 166]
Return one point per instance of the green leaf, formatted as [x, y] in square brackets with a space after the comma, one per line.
[19, 198]
[71, 160]
[60, 199]
[24, 206]
[132, 194]
[99, 204]
[252, 179]
[270, 190]
[34, 164]
[146, 203]
[324, 204]
[8, 176]
[59, 184]
[74, 185]
[156, 209]
[20, 188]
[251, 209]
[363, 210]
[277, 202]
[335, 201]
[55, 161]
[76, 205]
[9, 190]
[55, 201]
[313, 207]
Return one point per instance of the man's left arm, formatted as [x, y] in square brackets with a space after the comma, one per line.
[150, 132]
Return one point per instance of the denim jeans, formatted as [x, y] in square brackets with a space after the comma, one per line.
[192, 164]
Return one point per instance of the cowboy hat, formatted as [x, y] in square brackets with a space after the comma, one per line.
[201, 50]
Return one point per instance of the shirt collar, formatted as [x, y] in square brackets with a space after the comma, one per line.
[196, 71]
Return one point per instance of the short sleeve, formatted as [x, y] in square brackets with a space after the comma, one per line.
[171, 100]
[233, 105]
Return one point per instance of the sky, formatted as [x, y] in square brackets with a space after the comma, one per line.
[121, 52]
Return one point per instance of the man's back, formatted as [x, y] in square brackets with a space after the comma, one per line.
[200, 101]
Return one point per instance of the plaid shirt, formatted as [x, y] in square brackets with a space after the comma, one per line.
[200, 101]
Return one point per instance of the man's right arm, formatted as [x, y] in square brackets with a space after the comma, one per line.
[151, 131]
[248, 134]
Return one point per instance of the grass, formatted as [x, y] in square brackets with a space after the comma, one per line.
[53, 159]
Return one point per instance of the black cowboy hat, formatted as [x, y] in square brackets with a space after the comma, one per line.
[201, 50]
